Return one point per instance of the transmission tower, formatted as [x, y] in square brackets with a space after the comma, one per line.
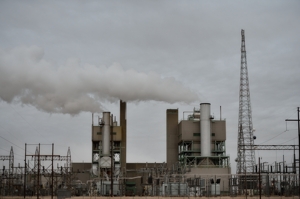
[10, 158]
[245, 153]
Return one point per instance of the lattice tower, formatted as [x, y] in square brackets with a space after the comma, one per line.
[10, 158]
[245, 153]
[68, 169]
[36, 160]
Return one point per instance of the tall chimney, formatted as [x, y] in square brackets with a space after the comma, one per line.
[106, 134]
[205, 129]
[123, 124]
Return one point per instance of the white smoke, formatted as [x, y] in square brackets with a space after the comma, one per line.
[27, 78]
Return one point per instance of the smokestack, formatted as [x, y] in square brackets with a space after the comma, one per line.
[205, 129]
[111, 120]
[105, 134]
[123, 124]
[115, 123]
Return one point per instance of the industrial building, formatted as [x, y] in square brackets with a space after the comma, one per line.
[198, 144]
[196, 162]
[195, 146]
[198, 141]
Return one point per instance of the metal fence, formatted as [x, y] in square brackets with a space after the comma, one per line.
[266, 184]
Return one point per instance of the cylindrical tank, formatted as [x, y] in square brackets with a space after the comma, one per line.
[205, 129]
[105, 134]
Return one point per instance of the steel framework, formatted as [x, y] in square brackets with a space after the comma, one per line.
[64, 173]
[10, 158]
[245, 154]
[274, 147]
[7, 175]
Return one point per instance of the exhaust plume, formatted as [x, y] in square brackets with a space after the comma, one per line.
[27, 78]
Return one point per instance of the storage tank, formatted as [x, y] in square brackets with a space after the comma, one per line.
[205, 129]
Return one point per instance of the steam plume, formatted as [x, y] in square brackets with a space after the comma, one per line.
[27, 78]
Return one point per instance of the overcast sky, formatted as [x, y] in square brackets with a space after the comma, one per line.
[62, 60]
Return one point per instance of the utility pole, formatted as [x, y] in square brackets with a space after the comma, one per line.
[111, 152]
[38, 174]
[52, 171]
[25, 170]
[297, 120]
[259, 180]
[38, 157]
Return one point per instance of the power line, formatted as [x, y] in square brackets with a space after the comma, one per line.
[4, 149]
[14, 152]
[11, 143]
[276, 136]
[289, 140]
[23, 118]
[273, 137]
[283, 131]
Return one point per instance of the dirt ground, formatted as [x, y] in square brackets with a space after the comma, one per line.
[144, 197]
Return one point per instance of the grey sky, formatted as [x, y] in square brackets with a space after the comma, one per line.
[60, 56]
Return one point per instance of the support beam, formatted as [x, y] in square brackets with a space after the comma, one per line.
[297, 120]
[271, 147]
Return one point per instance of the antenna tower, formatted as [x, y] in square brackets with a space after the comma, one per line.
[245, 152]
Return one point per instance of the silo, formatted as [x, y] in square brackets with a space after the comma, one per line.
[205, 129]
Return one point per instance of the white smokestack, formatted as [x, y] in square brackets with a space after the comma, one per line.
[205, 129]
[105, 134]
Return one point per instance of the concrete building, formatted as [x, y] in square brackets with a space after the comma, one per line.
[195, 146]
[198, 144]
[109, 141]
[172, 134]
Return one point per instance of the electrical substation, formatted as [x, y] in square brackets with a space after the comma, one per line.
[196, 160]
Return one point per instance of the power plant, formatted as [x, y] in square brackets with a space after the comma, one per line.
[196, 160]
[195, 146]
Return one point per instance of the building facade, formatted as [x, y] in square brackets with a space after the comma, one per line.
[197, 144]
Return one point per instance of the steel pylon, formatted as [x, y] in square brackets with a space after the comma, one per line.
[245, 153]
